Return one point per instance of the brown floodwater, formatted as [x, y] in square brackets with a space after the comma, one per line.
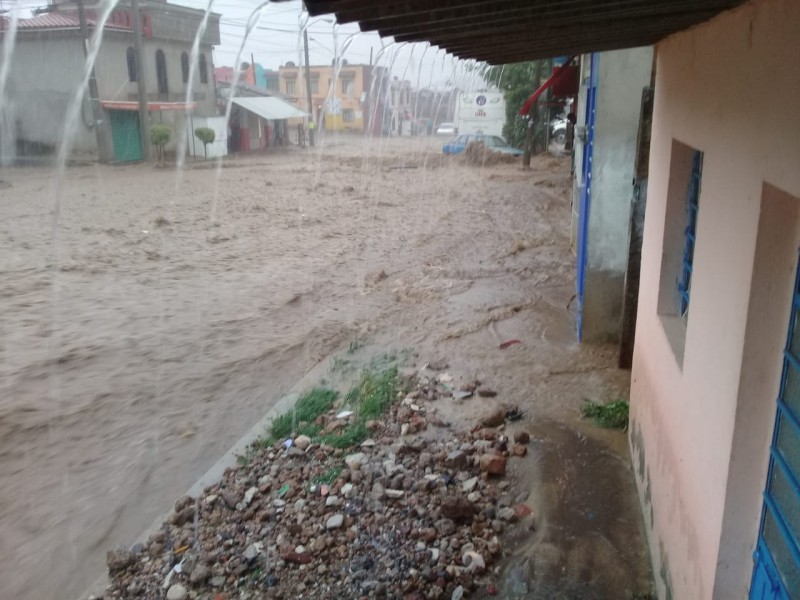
[140, 337]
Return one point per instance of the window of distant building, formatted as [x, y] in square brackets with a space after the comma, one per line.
[131, 57]
[290, 87]
[348, 115]
[315, 86]
[185, 67]
[161, 73]
[203, 68]
[348, 87]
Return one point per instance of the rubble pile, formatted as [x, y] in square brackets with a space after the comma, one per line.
[405, 517]
[477, 153]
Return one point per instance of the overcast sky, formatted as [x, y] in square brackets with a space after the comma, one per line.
[276, 41]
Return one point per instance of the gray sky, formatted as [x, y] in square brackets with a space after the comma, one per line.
[275, 41]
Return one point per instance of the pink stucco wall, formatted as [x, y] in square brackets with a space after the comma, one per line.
[730, 88]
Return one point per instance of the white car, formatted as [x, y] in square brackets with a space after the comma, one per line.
[446, 129]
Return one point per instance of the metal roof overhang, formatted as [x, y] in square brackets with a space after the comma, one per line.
[272, 109]
[505, 31]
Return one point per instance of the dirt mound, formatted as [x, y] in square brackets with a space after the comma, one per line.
[478, 154]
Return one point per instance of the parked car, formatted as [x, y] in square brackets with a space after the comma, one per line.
[446, 129]
[558, 131]
[493, 142]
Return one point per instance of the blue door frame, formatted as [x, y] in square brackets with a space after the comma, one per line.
[776, 572]
[585, 191]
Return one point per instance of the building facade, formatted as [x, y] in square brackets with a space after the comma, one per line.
[609, 99]
[715, 403]
[343, 105]
[50, 46]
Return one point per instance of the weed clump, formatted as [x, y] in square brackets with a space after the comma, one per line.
[371, 398]
[308, 408]
[610, 416]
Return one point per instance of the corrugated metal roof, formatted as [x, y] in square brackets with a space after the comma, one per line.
[54, 21]
[269, 108]
[505, 31]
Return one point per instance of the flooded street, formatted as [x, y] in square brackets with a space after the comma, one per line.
[142, 337]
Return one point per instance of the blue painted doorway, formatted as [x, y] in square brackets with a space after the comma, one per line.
[776, 573]
[585, 190]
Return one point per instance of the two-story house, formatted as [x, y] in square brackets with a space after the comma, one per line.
[49, 62]
[342, 105]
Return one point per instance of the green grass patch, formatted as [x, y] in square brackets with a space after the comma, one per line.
[375, 392]
[311, 405]
[369, 399]
[329, 476]
[350, 436]
[610, 416]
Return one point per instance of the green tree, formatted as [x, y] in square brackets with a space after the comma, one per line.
[159, 137]
[205, 135]
[517, 82]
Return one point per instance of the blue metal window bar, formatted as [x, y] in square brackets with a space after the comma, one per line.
[771, 562]
[692, 195]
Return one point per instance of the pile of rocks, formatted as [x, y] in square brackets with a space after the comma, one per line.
[409, 517]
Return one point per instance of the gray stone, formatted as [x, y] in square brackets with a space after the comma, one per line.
[217, 581]
[354, 461]
[507, 514]
[335, 521]
[394, 494]
[458, 593]
[377, 490]
[455, 460]
[229, 498]
[177, 592]
[469, 484]
[302, 442]
[199, 574]
[250, 553]
[249, 494]
[119, 559]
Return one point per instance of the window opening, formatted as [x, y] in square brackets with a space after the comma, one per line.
[692, 196]
[131, 58]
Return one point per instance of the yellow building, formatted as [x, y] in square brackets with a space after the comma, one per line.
[342, 107]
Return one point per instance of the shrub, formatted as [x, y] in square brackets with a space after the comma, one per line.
[205, 135]
[159, 137]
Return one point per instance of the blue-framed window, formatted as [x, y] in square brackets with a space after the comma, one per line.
[692, 196]
[776, 575]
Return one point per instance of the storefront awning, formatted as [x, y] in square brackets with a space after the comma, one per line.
[153, 106]
[272, 109]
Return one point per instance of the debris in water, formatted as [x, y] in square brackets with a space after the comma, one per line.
[509, 343]
[486, 393]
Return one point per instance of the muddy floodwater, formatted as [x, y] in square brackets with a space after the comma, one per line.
[149, 326]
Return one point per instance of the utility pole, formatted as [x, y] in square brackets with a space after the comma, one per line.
[94, 95]
[140, 83]
[253, 68]
[308, 94]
